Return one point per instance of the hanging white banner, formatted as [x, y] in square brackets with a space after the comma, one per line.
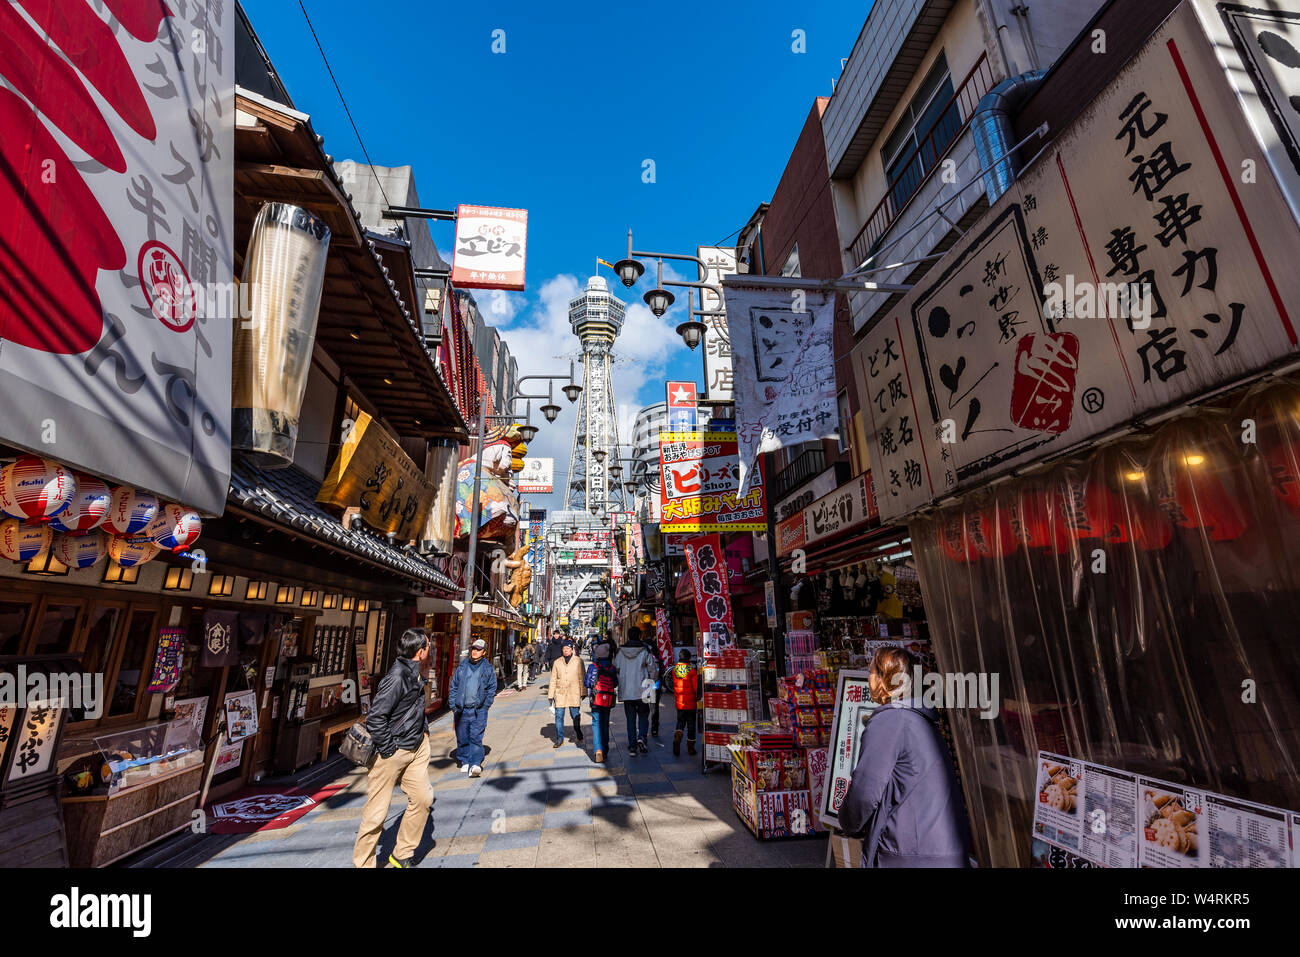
[782, 345]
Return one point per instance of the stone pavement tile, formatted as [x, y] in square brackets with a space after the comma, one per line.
[339, 814]
[457, 781]
[528, 822]
[466, 844]
[555, 819]
[511, 857]
[645, 778]
[458, 860]
[567, 848]
[654, 787]
[582, 803]
[537, 763]
[510, 840]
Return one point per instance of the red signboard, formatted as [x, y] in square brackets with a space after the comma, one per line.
[664, 642]
[491, 248]
[704, 558]
[791, 534]
[700, 479]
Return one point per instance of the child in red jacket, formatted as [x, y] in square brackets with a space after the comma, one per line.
[686, 692]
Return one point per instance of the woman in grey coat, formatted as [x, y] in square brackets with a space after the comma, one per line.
[903, 799]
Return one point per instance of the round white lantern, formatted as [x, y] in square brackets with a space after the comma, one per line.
[129, 511]
[129, 552]
[22, 543]
[34, 489]
[175, 527]
[80, 551]
[88, 507]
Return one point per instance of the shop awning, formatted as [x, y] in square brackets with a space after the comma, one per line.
[365, 324]
[287, 497]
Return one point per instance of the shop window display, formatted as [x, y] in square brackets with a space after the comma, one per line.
[1139, 606]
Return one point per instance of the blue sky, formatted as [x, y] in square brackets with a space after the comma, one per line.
[560, 124]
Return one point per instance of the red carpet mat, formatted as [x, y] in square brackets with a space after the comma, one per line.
[264, 809]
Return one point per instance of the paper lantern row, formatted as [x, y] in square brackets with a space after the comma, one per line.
[42, 493]
[20, 542]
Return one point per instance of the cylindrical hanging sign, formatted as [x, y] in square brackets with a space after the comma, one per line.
[285, 273]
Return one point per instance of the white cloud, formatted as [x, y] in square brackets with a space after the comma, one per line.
[539, 337]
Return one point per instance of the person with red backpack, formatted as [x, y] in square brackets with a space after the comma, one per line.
[686, 694]
[602, 679]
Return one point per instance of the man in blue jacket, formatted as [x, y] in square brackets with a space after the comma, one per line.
[473, 688]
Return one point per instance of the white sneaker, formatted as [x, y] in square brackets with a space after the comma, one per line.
[464, 769]
[475, 771]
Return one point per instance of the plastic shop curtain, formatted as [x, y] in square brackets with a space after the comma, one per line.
[1141, 608]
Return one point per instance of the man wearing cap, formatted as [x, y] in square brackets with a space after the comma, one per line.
[473, 689]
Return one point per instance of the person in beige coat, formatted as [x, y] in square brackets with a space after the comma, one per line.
[566, 691]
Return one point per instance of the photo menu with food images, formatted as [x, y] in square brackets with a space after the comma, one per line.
[1115, 818]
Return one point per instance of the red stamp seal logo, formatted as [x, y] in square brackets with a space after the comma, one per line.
[172, 298]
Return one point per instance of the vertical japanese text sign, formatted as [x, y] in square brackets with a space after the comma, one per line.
[712, 591]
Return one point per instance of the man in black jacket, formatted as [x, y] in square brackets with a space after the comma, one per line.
[397, 726]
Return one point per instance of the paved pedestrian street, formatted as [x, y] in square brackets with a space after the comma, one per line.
[536, 806]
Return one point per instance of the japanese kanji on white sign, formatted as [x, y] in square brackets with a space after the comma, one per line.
[1126, 270]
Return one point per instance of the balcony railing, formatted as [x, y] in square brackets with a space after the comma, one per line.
[810, 463]
[929, 156]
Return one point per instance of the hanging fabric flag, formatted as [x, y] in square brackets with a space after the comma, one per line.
[782, 353]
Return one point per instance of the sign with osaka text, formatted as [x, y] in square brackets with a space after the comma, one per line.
[1129, 269]
[491, 247]
[700, 483]
[708, 571]
[117, 287]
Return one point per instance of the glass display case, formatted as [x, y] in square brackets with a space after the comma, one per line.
[131, 758]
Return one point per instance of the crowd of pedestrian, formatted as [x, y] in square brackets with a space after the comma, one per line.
[632, 673]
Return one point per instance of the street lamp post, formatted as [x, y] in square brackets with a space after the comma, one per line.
[659, 299]
[571, 391]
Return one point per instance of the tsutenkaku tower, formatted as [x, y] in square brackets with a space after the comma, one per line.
[596, 317]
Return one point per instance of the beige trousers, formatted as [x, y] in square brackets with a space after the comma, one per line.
[411, 769]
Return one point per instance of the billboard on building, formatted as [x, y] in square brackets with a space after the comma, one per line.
[538, 476]
[701, 481]
[491, 247]
[1128, 270]
[116, 256]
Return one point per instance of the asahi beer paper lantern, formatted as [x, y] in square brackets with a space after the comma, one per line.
[129, 511]
[80, 551]
[88, 507]
[128, 552]
[22, 543]
[174, 528]
[285, 272]
[35, 488]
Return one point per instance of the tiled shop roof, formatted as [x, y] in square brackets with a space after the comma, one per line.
[288, 497]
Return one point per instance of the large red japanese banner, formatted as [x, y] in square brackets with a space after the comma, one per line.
[708, 576]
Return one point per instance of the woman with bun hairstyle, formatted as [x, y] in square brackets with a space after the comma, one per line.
[903, 798]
